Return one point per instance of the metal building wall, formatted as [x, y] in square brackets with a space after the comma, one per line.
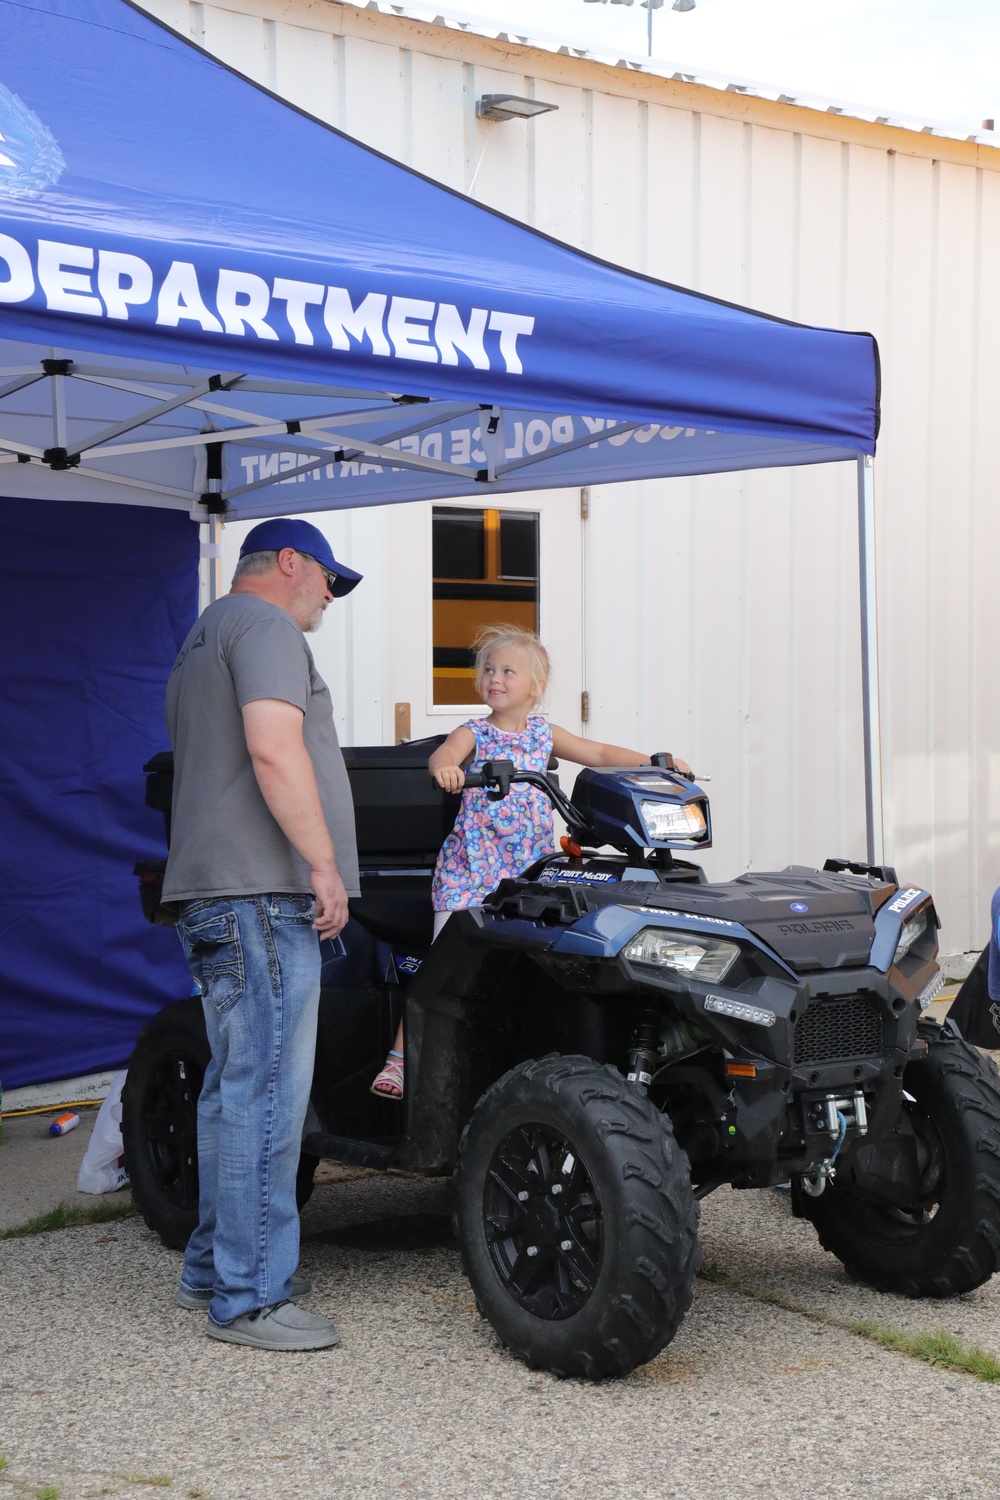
[722, 613]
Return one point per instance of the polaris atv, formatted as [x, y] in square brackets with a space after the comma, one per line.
[606, 1041]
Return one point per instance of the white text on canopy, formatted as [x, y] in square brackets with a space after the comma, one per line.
[114, 284]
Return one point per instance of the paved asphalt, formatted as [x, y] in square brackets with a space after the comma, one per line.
[108, 1389]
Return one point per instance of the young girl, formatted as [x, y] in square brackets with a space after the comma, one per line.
[493, 840]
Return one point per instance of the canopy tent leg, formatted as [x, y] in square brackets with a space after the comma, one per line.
[874, 830]
[211, 558]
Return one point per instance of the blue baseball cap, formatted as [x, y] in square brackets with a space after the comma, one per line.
[271, 536]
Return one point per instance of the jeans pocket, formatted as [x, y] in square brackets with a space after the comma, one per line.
[291, 910]
[215, 944]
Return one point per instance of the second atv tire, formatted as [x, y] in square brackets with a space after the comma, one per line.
[948, 1240]
[576, 1218]
[160, 1119]
[160, 1122]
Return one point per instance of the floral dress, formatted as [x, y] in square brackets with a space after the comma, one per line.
[493, 840]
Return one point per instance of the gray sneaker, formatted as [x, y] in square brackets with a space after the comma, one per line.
[283, 1326]
[198, 1301]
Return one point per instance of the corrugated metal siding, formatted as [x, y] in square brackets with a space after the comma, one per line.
[722, 613]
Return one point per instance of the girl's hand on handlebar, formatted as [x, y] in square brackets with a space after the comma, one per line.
[449, 778]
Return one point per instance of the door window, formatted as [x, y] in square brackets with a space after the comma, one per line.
[485, 565]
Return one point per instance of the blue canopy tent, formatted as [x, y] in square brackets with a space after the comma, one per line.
[215, 306]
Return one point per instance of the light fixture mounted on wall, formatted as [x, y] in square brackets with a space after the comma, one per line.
[510, 107]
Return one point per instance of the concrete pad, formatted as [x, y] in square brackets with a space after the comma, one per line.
[108, 1386]
[753, 1239]
[38, 1170]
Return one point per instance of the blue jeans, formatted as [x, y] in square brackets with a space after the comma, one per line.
[993, 979]
[257, 960]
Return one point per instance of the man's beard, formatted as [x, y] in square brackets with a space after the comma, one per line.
[315, 619]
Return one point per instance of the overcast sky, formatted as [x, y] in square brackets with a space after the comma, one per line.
[939, 59]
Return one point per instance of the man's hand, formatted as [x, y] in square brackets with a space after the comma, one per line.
[449, 778]
[331, 902]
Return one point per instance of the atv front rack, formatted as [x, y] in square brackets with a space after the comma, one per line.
[552, 905]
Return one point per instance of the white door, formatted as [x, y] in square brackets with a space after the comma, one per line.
[457, 565]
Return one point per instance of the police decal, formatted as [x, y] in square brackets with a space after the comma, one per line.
[904, 899]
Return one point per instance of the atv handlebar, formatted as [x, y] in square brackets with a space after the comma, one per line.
[497, 775]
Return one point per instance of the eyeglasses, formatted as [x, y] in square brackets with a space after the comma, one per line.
[331, 578]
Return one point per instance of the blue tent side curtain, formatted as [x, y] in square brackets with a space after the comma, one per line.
[89, 643]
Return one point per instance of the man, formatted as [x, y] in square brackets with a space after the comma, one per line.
[262, 861]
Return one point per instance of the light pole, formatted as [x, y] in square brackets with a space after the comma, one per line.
[650, 5]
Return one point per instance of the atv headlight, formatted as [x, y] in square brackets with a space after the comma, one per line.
[912, 930]
[701, 957]
[665, 820]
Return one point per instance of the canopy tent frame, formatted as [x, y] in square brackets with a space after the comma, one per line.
[341, 446]
[870, 683]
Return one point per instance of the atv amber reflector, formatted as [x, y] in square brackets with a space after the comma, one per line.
[698, 954]
[741, 1070]
[738, 1011]
[570, 846]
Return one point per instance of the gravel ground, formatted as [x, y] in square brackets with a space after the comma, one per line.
[108, 1388]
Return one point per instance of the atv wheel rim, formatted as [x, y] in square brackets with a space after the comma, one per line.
[171, 1128]
[543, 1222]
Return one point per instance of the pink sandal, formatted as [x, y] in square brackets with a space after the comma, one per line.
[389, 1083]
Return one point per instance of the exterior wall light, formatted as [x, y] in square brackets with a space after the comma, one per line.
[510, 107]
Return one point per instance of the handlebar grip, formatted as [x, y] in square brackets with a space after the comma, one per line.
[473, 778]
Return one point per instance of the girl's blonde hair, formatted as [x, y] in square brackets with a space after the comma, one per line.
[498, 637]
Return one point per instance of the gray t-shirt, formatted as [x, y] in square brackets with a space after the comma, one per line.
[224, 841]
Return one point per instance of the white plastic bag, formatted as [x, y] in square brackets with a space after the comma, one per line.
[100, 1171]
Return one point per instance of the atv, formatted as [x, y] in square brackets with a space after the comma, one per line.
[606, 1041]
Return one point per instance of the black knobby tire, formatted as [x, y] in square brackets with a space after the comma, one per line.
[948, 1241]
[615, 1248]
[159, 1119]
[160, 1122]
[304, 1180]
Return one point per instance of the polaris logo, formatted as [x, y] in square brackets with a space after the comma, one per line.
[831, 924]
